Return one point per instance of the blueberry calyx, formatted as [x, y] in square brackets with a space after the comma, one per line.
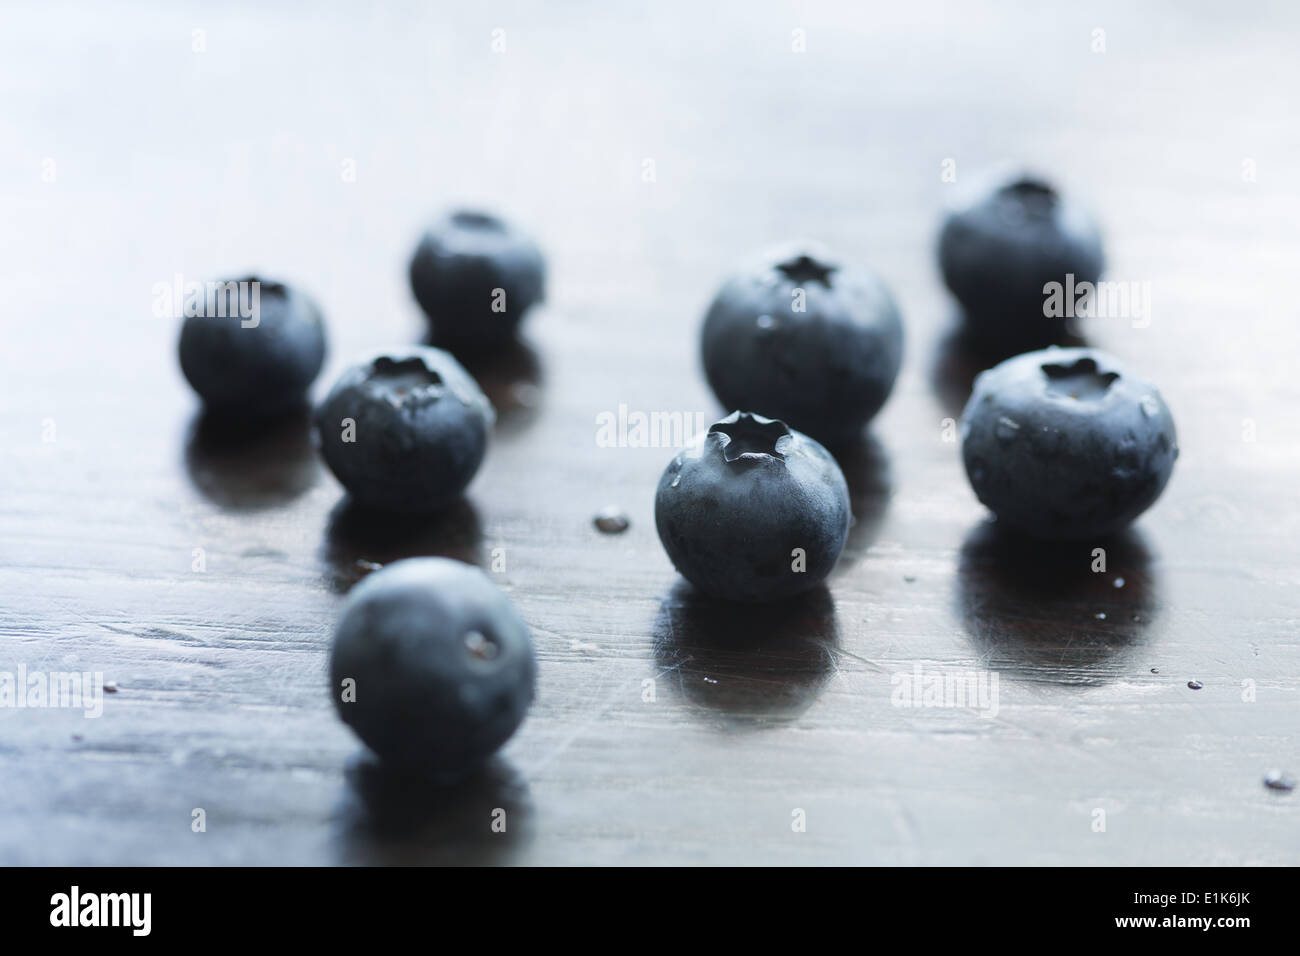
[1081, 380]
[1030, 188]
[480, 646]
[472, 219]
[265, 286]
[1029, 198]
[403, 379]
[746, 437]
[803, 269]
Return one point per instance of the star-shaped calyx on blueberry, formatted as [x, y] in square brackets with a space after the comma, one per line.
[399, 379]
[746, 437]
[803, 268]
[1082, 380]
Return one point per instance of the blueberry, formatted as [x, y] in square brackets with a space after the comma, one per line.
[404, 430]
[255, 349]
[801, 337]
[753, 510]
[998, 251]
[475, 276]
[441, 666]
[1066, 443]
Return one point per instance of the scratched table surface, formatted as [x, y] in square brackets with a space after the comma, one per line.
[649, 149]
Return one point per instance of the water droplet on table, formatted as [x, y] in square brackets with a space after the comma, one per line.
[1277, 780]
[612, 520]
[1195, 684]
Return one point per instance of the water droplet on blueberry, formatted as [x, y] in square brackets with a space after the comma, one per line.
[1006, 429]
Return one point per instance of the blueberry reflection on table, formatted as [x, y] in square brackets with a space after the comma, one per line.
[747, 665]
[867, 472]
[512, 377]
[359, 540]
[391, 816]
[958, 359]
[1039, 610]
[250, 465]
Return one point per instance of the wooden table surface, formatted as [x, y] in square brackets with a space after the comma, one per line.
[309, 142]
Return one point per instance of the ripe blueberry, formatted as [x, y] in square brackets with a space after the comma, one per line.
[255, 349]
[799, 336]
[753, 510]
[998, 250]
[404, 430]
[475, 276]
[1066, 443]
[440, 665]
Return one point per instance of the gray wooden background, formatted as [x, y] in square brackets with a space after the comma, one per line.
[310, 141]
